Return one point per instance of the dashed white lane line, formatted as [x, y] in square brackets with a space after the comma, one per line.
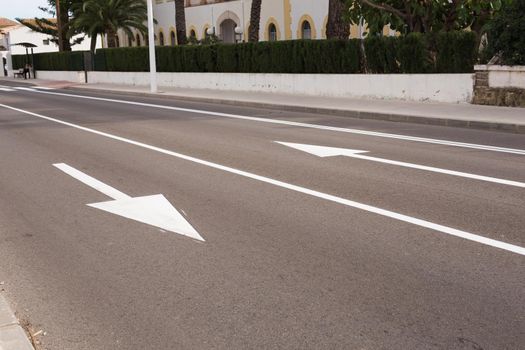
[24, 88]
[303, 125]
[393, 215]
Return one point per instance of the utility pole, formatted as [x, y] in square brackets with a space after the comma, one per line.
[151, 40]
[59, 26]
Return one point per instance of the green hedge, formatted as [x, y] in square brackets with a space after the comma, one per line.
[444, 52]
[451, 52]
[58, 61]
[456, 52]
[298, 56]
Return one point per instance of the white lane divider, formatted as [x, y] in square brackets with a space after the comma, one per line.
[387, 213]
[322, 151]
[5, 89]
[298, 124]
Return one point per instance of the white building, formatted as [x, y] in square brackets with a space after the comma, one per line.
[280, 20]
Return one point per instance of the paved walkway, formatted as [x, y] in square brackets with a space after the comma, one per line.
[459, 115]
[12, 336]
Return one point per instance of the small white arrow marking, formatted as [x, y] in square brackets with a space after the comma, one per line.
[153, 210]
[322, 151]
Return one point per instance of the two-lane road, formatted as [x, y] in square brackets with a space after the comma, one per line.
[298, 250]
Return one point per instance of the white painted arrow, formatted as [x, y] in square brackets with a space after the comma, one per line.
[153, 210]
[322, 151]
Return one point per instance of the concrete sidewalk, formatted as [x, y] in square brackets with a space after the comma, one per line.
[456, 115]
[12, 335]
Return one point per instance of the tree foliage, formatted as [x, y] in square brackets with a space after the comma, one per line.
[505, 34]
[49, 27]
[424, 16]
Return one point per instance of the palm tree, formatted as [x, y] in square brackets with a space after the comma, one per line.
[180, 22]
[255, 19]
[337, 27]
[98, 17]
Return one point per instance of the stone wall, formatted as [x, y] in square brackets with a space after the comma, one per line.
[500, 86]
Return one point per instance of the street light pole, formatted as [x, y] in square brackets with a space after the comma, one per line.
[151, 41]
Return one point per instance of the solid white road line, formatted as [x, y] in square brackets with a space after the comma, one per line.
[43, 88]
[303, 125]
[322, 151]
[408, 219]
[5, 89]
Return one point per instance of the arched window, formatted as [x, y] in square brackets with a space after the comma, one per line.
[138, 40]
[193, 34]
[130, 41]
[161, 39]
[272, 32]
[306, 30]
[173, 39]
[117, 41]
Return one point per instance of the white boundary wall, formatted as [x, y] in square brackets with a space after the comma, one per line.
[504, 76]
[452, 88]
[76, 77]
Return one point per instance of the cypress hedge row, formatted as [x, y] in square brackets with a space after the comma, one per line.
[298, 56]
[447, 52]
[58, 61]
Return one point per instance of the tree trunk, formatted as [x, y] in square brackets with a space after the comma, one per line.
[337, 27]
[93, 44]
[255, 20]
[112, 39]
[64, 20]
[180, 22]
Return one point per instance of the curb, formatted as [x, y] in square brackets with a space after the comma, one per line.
[400, 118]
[12, 335]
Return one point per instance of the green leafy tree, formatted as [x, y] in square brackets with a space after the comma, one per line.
[50, 27]
[505, 34]
[99, 17]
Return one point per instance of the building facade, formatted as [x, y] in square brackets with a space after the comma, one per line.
[229, 21]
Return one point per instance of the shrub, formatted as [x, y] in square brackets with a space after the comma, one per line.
[413, 54]
[455, 52]
[381, 54]
[58, 61]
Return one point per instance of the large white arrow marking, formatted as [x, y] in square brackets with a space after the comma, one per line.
[153, 210]
[322, 151]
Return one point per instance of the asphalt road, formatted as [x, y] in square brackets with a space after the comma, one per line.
[279, 268]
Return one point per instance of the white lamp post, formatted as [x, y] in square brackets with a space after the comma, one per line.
[238, 34]
[151, 41]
